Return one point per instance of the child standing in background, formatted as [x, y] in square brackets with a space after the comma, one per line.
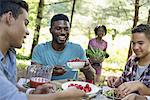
[98, 43]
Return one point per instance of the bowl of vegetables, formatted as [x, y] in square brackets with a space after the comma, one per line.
[96, 55]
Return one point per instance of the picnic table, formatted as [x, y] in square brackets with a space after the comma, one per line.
[58, 83]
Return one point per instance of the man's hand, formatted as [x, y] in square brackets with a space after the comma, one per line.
[88, 71]
[134, 96]
[112, 80]
[44, 89]
[129, 87]
[58, 70]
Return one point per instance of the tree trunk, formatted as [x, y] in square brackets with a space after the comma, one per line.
[134, 23]
[73, 7]
[136, 13]
[148, 21]
[38, 25]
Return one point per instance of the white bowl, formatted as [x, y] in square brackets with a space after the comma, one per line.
[76, 65]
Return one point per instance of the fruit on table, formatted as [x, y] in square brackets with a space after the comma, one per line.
[85, 88]
[76, 60]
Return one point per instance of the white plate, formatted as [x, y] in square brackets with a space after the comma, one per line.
[94, 88]
[22, 81]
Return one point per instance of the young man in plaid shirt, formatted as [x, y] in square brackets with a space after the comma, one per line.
[136, 75]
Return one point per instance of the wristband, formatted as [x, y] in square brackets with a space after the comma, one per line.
[148, 97]
[29, 90]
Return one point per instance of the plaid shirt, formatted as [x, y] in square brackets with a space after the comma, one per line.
[129, 74]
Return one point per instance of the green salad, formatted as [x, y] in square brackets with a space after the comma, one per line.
[112, 94]
[96, 54]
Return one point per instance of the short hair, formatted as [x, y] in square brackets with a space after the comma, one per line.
[14, 6]
[59, 17]
[142, 28]
[97, 27]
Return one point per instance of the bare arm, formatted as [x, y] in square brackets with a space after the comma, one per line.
[70, 94]
[88, 71]
[144, 90]
[134, 97]
[133, 86]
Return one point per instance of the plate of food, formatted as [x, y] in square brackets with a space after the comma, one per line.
[112, 94]
[84, 86]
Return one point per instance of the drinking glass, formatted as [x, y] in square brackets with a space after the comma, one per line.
[39, 71]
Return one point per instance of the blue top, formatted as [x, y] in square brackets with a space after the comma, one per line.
[8, 89]
[44, 54]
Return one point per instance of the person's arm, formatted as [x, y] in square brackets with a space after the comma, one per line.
[130, 87]
[88, 71]
[134, 96]
[133, 87]
[69, 94]
[9, 91]
[144, 90]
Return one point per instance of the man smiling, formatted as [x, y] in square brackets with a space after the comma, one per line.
[136, 75]
[58, 51]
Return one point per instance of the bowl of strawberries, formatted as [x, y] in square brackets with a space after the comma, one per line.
[76, 63]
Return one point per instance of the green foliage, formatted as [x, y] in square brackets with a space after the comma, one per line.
[22, 64]
[22, 57]
[33, 5]
[96, 54]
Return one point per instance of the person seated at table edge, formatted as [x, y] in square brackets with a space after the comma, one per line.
[13, 30]
[135, 77]
[58, 51]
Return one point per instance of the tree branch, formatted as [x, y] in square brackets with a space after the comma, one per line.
[145, 3]
[58, 2]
